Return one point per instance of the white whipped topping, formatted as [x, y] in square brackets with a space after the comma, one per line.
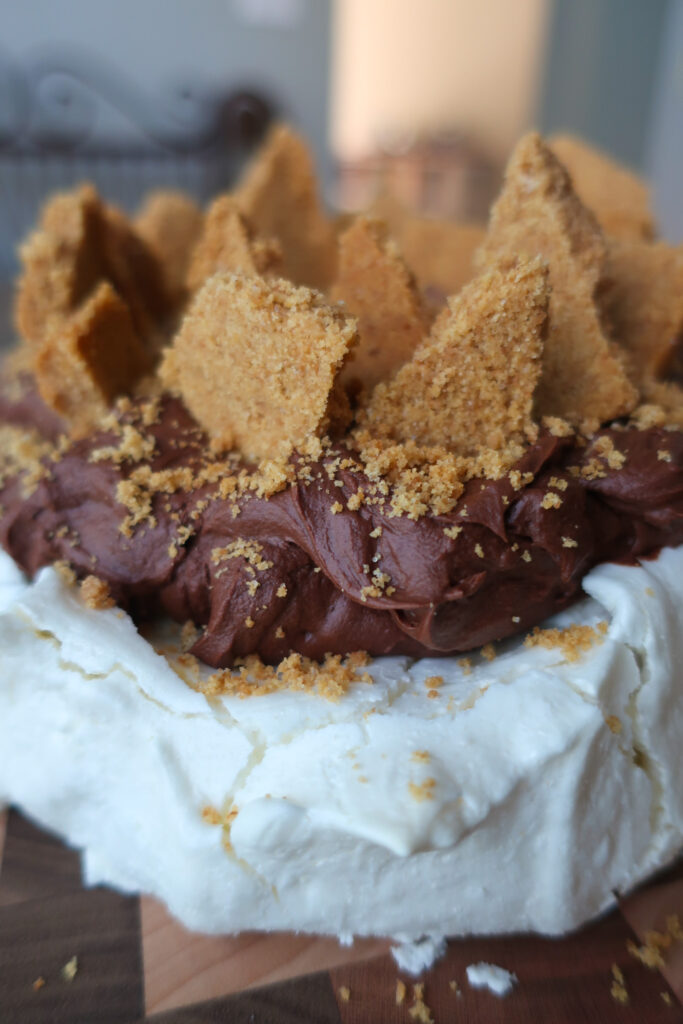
[495, 979]
[524, 796]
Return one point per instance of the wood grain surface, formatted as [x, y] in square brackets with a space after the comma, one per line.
[136, 964]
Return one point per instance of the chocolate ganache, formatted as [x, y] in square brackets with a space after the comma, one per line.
[283, 573]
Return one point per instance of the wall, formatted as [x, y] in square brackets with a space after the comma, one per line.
[433, 65]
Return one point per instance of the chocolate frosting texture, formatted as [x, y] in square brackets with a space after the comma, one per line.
[500, 562]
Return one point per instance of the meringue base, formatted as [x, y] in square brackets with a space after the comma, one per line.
[521, 794]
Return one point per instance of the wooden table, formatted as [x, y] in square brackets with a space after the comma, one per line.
[135, 963]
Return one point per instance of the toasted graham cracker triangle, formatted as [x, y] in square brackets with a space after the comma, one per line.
[81, 242]
[619, 199]
[539, 214]
[87, 360]
[440, 253]
[227, 244]
[375, 285]
[279, 198]
[62, 261]
[471, 383]
[642, 298]
[256, 363]
[170, 222]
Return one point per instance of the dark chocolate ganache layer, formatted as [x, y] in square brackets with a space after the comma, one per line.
[314, 569]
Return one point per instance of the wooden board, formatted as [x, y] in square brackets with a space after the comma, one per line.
[136, 964]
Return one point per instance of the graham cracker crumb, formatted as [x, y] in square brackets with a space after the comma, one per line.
[38, 984]
[171, 224]
[344, 993]
[650, 953]
[227, 243]
[70, 969]
[246, 548]
[573, 641]
[95, 593]
[400, 992]
[281, 590]
[330, 679]
[551, 500]
[666, 998]
[336, 508]
[568, 542]
[618, 989]
[421, 791]
[253, 394]
[539, 214]
[470, 385]
[663, 455]
[619, 199]
[25, 452]
[65, 571]
[433, 681]
[189, 635]
[419, 1010]
[88, 359]
[375, 285]
[132, 447]
[278, 196]
[613, 723]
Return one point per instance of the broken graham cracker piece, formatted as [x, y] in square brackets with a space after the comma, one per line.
[539, 214]
[170, 222]
[62, 262]
[642, 299]
[227, 243]
[136, 274]
[440, 253]
[89, 359]
[278, 196]
[619, 199]
[375, 285]
[81, 242]
[471, 383]
[256, 363]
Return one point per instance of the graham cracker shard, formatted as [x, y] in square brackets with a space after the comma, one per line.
[642, 296]
[471, 384]
[89, 359]
[619, 199]
[61, 262]
[440, 253]
[79, 243]
[278, 197]
[170, 222]
[538, 214]
[228, 244]
[375, 285]
[257, 362]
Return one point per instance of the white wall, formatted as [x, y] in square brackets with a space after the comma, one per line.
[435, 64]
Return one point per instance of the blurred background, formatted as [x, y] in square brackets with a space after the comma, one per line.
[421, 99]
